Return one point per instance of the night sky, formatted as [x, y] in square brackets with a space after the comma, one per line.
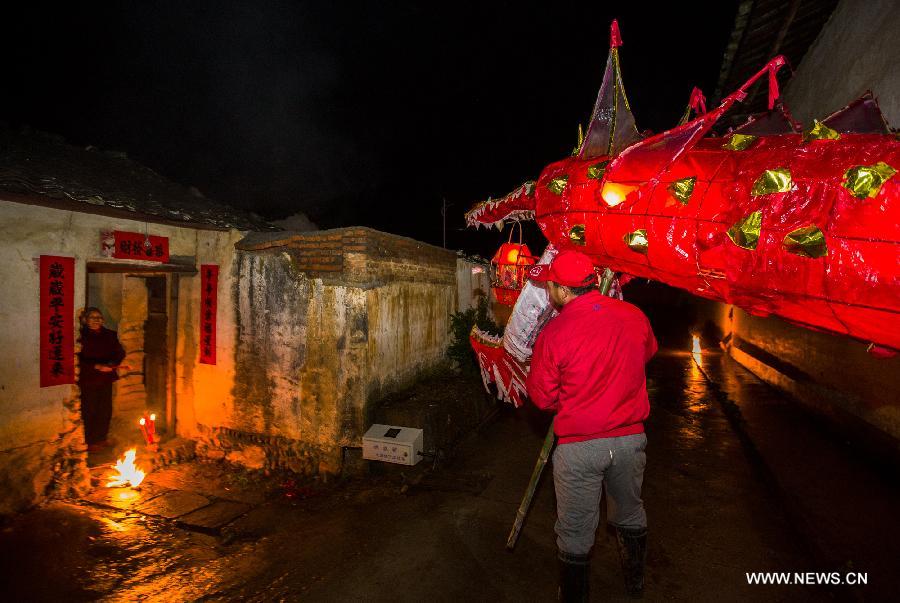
[362, 113]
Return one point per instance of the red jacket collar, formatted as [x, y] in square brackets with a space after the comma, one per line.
[591, 297]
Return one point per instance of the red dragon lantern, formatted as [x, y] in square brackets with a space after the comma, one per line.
[508, 270]
[804, 225]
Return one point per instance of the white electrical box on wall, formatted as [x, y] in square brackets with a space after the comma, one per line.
[393, 444]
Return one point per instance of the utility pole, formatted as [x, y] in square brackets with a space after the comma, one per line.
[444, 207]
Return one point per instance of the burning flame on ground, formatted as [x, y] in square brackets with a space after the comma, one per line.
[128, 473]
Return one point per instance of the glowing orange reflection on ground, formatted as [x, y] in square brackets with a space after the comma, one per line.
[128, 495]
[696, 351]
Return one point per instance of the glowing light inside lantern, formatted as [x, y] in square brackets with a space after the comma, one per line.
[614, 193]
[128, 473]
[508, 271]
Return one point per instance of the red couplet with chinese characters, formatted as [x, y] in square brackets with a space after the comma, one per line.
[209, 285]
[57, 331]
[137, 246]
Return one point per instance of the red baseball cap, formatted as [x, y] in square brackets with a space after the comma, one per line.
[569, 268]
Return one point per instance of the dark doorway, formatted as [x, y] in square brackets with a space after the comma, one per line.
[141, 304]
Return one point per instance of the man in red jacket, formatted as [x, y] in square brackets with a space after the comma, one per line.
[588, 367]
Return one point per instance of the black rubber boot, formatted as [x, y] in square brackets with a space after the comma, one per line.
[633, 554]
[574, 578]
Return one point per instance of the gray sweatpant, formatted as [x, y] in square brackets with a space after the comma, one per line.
[579, 471]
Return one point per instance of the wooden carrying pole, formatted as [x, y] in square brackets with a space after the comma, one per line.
[549, 440]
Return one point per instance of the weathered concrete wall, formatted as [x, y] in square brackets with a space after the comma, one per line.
[327, 323]
[408, 332]
[299, 360]
[105, 292]
[205, 388]
[857, 50]
[833, 375]
[473, 281]
[42, 449]
[271, 347]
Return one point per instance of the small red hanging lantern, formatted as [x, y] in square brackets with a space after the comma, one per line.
[508, 268]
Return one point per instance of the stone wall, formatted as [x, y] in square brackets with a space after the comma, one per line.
[328, 323]
[359, 256]
[130, 395]
[42, 450]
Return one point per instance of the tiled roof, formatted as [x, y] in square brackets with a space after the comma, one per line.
[764, 29]
[43, 166]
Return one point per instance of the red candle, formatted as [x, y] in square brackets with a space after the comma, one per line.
[151, 428]
[148, 429]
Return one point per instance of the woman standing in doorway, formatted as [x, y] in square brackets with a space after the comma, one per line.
[99, 358]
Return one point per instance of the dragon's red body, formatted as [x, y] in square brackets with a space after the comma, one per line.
[622, 210]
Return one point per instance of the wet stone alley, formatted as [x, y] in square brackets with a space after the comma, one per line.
[738, 480]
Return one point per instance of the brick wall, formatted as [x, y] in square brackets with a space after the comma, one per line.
[359, 256]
